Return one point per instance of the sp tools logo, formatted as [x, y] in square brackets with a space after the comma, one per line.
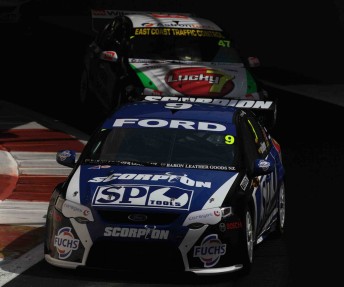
[200, 81]
[65, 242]
[143, 196]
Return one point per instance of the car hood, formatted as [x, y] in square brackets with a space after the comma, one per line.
[182, 78]
[149, 188]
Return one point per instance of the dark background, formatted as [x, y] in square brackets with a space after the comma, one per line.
[41, 62]
[303, 37]
[297, 42]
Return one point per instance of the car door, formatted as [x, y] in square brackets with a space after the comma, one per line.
[258, 147]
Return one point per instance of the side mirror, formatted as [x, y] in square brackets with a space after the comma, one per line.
[262, 166]
[66, 157]
[109, 56]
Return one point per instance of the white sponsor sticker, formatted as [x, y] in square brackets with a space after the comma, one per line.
[143, 196]
[73, 210]
[169, 177]
[173, 124]
[206, 216]
[142, 233]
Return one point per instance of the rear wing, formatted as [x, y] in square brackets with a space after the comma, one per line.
[101, 17]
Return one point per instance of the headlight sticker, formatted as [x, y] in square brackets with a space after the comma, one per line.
[210, 216]
[74, 210]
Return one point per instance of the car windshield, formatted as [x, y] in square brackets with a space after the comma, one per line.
[183, 48]
[164, 147]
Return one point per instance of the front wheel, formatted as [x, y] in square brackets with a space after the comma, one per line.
[247, 246]
[280, 222]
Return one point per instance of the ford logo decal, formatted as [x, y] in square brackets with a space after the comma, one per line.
[137, 217]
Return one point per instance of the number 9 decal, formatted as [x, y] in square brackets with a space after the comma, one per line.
[229, 139]
[178, 106]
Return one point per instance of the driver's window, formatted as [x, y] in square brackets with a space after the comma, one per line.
[262, 144]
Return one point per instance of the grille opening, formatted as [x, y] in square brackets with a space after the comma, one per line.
[124, 256]
[122, 217]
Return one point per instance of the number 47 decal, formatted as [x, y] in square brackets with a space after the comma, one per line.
[224, 43]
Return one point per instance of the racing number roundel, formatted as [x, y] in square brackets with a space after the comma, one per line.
[200, 81]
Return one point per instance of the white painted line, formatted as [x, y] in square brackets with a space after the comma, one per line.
[14, 267]
[40, 163]
[33, 155]
[23, 212]
[16, 124]
[62, 172]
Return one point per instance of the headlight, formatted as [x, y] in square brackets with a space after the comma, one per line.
[196, 225]
[226, 211]
[59, 203]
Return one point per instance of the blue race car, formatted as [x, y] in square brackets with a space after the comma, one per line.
[170, 186]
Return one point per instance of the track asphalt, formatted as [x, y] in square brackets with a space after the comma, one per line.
[28, 173]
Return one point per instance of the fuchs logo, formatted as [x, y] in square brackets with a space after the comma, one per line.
[210, 250]
[143, 196]
[200, 81]
[65, 242]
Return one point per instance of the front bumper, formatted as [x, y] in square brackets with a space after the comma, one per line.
[208, 250]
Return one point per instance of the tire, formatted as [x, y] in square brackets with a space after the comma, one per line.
[248, 242]
[280, 222]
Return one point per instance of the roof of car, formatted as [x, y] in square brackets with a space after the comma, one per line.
[158, 110]
[151, 19]
[179, 21]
